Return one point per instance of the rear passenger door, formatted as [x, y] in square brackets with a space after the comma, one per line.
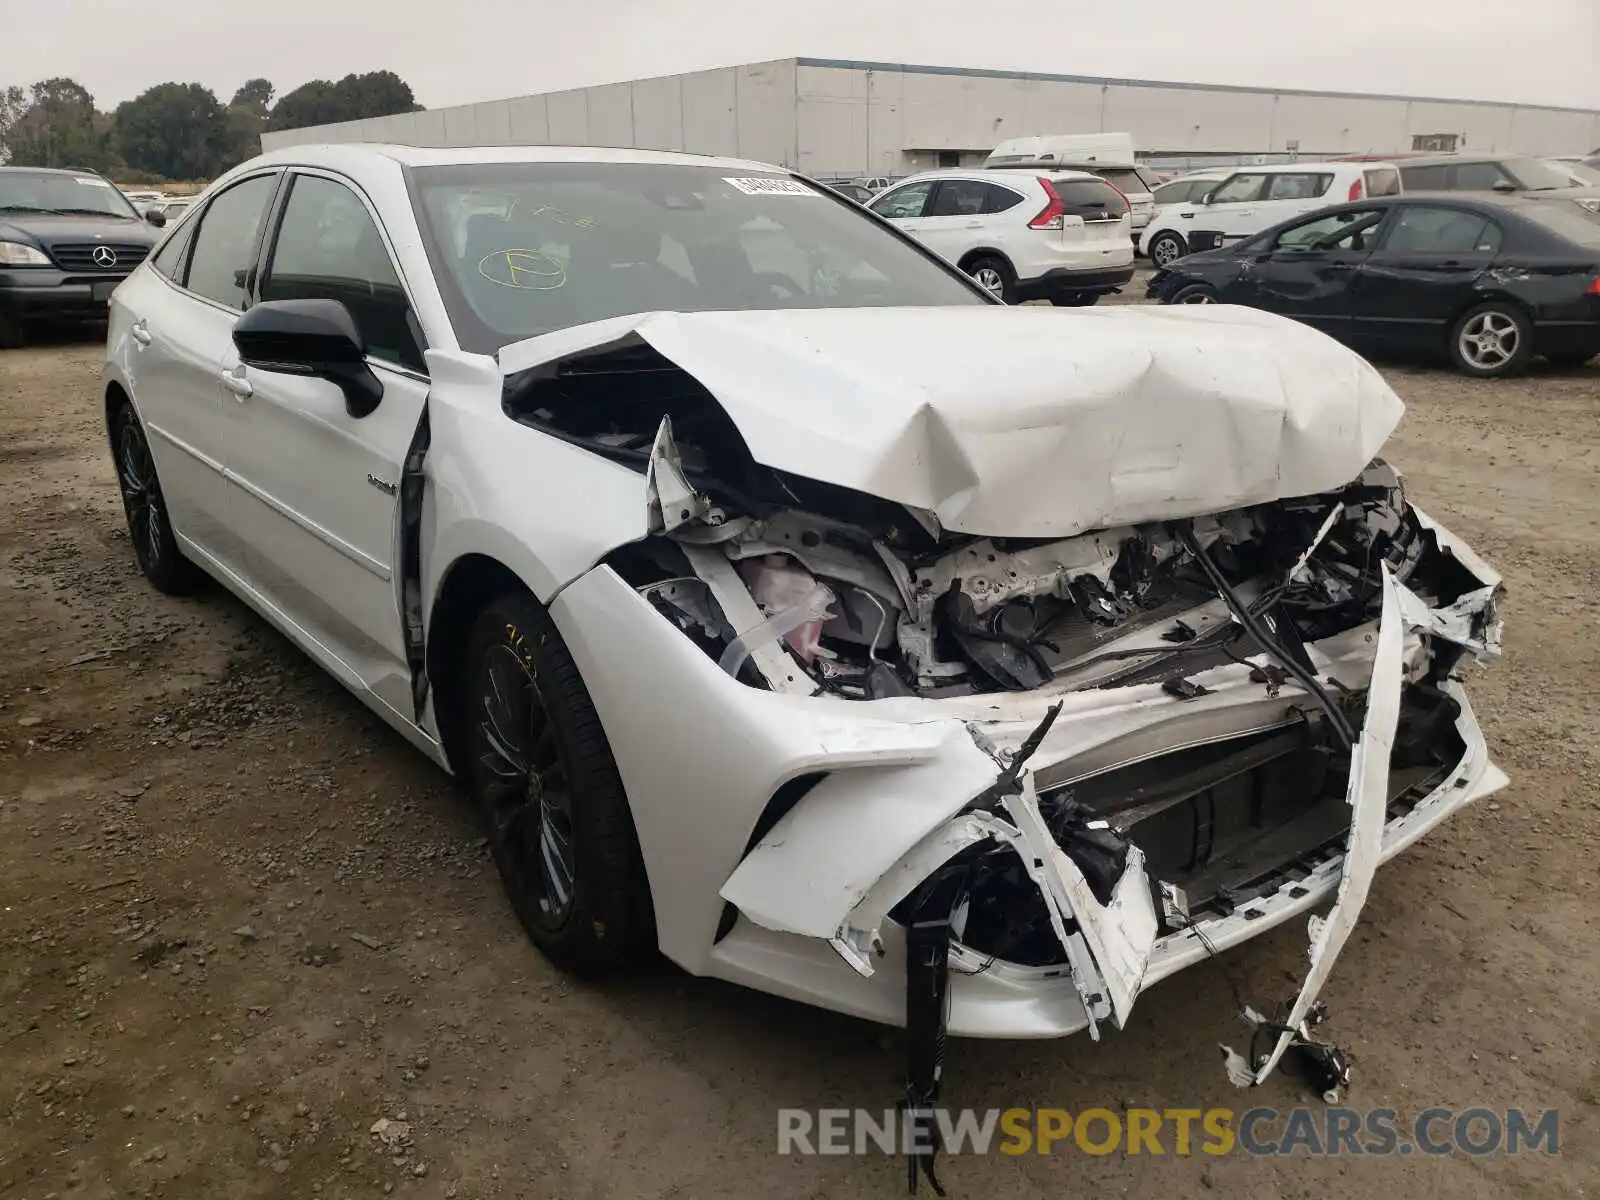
[1423, 272]
[181, 339]
[316, 498]
[953, 222]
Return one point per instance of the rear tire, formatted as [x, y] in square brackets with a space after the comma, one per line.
[995, 276]
[1492, 341]
[149, 522]
[1167, 248]
[546, 786]
[1194, 293]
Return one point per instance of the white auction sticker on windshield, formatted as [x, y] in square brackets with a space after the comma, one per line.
[766, 185]
[91, 182]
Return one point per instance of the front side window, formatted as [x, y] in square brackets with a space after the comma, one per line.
[563, 244]
[959, 198]
[1421, 229]
[1480, 177]
[23, 191]
[1239, 188]
[1350, 230]
[905, 202]
[329, 248]
[225, 244]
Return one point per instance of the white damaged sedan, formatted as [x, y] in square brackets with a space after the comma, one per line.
[786, 604]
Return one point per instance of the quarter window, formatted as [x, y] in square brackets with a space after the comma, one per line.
[1239, 189]
[905, 202]
[169, 259]
[225, 246]
[1383, 181]
[999, 199]
[328, 248]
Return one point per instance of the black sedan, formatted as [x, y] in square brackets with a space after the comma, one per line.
[1489, 280]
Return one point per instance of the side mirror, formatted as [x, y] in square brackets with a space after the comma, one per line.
[310, 337]
[1504, 185]
[155, 216]
[1206, 198]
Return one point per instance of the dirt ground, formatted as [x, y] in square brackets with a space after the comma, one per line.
[240, 920]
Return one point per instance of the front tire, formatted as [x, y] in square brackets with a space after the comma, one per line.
[995, 276]
[149, 524]
[1492, 341]
[1194, 293]
[1167, 248]
[1076, 299]
[547, 788]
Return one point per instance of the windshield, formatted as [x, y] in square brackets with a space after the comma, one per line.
[1582, 174]
[59, 192]
[1536, 175]
[522, 249]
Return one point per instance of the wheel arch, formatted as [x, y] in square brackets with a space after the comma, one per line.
[468, 585]
[115, 397]
[973, 255]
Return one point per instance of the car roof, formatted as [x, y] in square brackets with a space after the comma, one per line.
[335, 154]
[49, 170]
[1296, 168]
[985, 173]
[1418, 160]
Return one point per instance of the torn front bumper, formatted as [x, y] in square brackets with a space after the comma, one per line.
[800, 906]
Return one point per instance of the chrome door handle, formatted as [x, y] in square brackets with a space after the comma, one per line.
[236, 383]
[140, 331]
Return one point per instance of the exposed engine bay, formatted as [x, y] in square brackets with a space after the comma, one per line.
[867, 599]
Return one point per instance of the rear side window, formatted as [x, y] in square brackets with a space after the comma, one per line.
[1426, 179]
[1297, 186]
[225, 246]
[1382, 181]
[959, 198]
[1423, 229]
[1091, 199]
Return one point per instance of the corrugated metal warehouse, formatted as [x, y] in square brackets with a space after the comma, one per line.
[833, 118]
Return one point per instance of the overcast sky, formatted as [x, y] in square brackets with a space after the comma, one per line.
[1536, 51]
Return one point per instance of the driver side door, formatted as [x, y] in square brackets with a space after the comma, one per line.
[316, 496]
[1307, 270]
[1229, 215]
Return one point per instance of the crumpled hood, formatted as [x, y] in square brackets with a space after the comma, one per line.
[1032, 422]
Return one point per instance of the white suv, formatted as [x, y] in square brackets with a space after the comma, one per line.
[1061, 236]
[1256, 198]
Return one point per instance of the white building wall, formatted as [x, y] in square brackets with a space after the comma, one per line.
[837, 118]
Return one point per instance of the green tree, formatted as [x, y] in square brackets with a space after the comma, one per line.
[319, 102]
[254, 95]
[174, 129]
[55, 127]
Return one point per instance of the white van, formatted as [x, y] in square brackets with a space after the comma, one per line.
[1108, 155]
[1255, 198]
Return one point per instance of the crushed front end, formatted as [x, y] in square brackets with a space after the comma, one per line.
[863, 748]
